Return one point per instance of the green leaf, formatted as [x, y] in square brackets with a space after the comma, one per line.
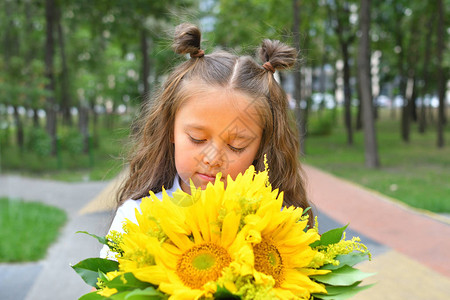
[127, 282]
[350, 259]
[101, 239]
[345, 294]
[330, 237]
[306, 210]
[224, 294]
[91, 296]
[88, 269]
[146, 294]
[119, 296]
[102, 276]
[340, 289]
[149, 293]
[345, 275]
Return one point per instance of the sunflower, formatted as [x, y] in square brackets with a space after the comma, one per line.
[235, 238]
[239, 240]
[281, 249]
[185, 247]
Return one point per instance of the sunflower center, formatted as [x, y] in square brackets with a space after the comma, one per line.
[268, 261]
[202, 263]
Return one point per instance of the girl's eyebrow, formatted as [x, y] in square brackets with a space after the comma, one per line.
[194, 126]
[242, 137]
[234, 134]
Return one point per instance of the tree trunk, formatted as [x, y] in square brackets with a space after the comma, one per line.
[30, 54]
[36, 118]
[402, 88]
[347, 94]
[65, 89]
[414, 114]
[413, 99]
[322, 80]
[83, 124]
[95, 124]
[345, 37]
[406, 110]
[359, 122]
[425, 75]
[50, 86]
[440, 74]
[300, 110]
[422, 116]
[370, 141]
[11, 47]
[19, 128]
[409, 111]
[145, 65]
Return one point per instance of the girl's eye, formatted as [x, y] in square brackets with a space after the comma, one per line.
[196, 141]
[234, 149]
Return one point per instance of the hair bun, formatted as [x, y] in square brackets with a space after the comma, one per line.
[280, 56]
[187, 39]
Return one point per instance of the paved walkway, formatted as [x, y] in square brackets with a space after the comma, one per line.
[413, 261]
[411, 248]
[53, 278]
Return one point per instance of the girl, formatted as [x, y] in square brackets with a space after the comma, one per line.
[215, 113]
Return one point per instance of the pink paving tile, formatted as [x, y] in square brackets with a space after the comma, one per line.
[397, 226]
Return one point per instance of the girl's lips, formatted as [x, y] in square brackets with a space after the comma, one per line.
[206, 177]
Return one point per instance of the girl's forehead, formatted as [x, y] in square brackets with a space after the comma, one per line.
[229, 108]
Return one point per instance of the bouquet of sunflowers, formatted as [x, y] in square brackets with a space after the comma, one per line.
[217, 243]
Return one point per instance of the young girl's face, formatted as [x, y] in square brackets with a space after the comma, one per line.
[216, 130]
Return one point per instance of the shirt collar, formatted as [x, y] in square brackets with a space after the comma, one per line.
[175, 186]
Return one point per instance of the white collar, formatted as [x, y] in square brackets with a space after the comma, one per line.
[175, 186]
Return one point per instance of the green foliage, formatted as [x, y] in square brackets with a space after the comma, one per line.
[343, 276]
[27, 229]
[4, 133]
[330, 237]
[101, 239]
[39, 142]
[342, 292]
[322, 124]
[89, 269]
[70, 163]
[350, 259]
[343, 281]
[224, 294]
[127, 286]
[71, 141]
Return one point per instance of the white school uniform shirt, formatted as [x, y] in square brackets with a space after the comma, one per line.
[128, 211]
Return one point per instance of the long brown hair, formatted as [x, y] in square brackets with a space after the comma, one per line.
[152, 163]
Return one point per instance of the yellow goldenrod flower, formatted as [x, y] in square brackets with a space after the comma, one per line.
[107, 292]
[113, 274]
[327, 254]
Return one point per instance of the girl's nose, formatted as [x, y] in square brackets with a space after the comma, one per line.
[213, 156]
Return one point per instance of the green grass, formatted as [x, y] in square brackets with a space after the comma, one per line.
[27, 229]
[416, 173]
